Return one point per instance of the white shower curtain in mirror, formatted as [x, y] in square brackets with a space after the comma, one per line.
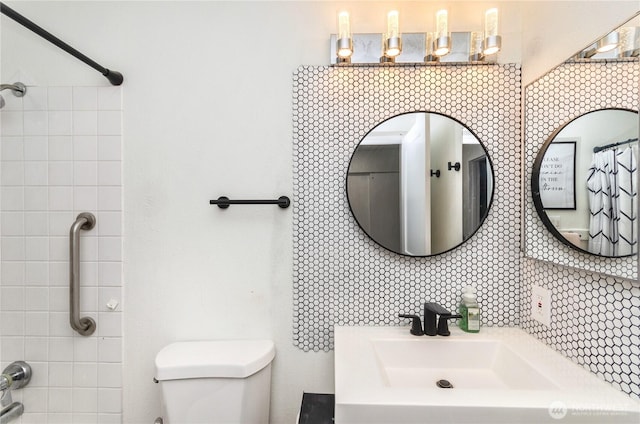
[611, 181]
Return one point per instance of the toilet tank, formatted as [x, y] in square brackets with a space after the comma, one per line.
[218, 381]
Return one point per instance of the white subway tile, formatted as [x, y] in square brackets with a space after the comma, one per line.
[12, 348]
[37, 99]
[60, 418]
[60, 147]
[12, 123]
[109, 123]
[36, 273]
[89, 272]
[60, 123]
[109, 173]
[61, 374]
[85, 173]
[12, 299]
[36, 148]
[85, 400]
[110, 273]
[110, 375]
[60, 98]
[60, 198]
[85, 198]
[109, 223]
[36, 398]
[36, 123]
[89, 249]
[85, 123]
[109, 147]
[12, 148]
[36, 224]
[12, 324]
[85, 375]
[37, 349]
[109, 248]
[85, 98]
[12, 248]
[60, 400]
[60, 223]
[34, 417]
[88, 299]
[12, 273]
[37, 299]
[36, 248]
[58, 272]
[12, 173]
[59, 299]
[36, 173]
[85, 349]
[109, 400]
[59, 248]
[106, 294]
[13, 103]
[61, 350]
[12, 198]
[12, 224]
[61, 173]
[108, 419]
[110, 198]
[110, 324]
[85, 147]
[109, 349]
[36, 323]
[59, 327]
[36, 198]
[39, 374]
[109, 98]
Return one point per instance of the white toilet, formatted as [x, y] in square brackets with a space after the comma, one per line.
[225, 381]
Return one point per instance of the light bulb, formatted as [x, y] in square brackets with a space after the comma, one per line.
[608, 42]
[492, 40]
[442, 41]
[392, 41]
[344, 44]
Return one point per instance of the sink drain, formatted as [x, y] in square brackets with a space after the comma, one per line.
[444, 384]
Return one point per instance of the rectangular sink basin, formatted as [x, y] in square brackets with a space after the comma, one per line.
[471, 364]
[500, 375]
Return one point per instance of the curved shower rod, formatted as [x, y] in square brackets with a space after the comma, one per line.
[115, 78]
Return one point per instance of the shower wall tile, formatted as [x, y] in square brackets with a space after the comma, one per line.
[60, 154]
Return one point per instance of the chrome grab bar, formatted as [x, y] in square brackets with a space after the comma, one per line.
[84, 326]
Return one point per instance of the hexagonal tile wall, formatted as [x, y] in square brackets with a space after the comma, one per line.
[341, 276]
[595, 318]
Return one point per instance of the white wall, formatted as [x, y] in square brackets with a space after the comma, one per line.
[207, 112]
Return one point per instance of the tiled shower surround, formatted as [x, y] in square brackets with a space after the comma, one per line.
[61, 155]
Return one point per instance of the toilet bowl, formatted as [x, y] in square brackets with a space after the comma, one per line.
[222, 381]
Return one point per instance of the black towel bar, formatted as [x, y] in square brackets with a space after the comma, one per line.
[224, 202]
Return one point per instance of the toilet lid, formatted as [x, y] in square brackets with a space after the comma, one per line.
[216, 358]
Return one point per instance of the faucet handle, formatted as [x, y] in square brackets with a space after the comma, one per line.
[443, 328]
[416, 324]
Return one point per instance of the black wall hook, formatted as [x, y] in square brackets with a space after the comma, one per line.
[455, 166]
[223, 202]
[435, 173]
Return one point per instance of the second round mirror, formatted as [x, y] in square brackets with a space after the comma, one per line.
[420, 184]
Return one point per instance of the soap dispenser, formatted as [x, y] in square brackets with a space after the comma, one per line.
[469, 310]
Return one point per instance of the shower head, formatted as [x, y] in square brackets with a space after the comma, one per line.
[18, 89]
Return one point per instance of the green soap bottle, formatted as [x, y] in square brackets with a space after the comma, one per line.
[469, 310]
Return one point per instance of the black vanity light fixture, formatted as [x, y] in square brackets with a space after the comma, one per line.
[424, 47]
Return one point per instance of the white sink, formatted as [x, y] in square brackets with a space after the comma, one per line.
[500, 375]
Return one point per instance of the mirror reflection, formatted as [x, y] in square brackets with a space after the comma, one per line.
[420, 184]
[584, 183]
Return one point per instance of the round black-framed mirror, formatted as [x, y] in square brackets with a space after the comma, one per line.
[582, 171]
[420, 207]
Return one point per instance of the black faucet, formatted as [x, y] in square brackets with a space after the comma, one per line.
[416, 324]
[431, 310]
